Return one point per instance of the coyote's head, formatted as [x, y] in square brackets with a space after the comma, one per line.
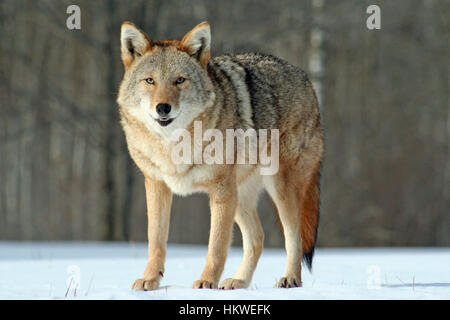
[166, 85]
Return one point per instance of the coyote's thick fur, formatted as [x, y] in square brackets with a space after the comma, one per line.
[170, 84]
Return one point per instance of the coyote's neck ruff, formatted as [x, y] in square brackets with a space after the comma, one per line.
[171, 85]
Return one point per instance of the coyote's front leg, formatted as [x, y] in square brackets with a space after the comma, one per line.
[223, 202]
[159, 200]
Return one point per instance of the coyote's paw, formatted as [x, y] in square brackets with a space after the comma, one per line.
[230, 284]
[288, 282]
[145, 284]
[204, 284]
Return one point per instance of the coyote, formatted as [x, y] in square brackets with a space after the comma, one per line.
[171, 84]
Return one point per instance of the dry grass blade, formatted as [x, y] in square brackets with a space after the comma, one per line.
[68, 287]
[399, 279]
[89, 286]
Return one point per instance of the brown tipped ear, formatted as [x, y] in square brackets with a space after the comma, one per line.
[134, 43]
[197, 43]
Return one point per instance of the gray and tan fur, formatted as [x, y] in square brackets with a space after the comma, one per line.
[230, 91]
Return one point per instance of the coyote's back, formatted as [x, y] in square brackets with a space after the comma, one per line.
[276, 89]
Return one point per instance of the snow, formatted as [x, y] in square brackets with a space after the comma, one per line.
[42, 270]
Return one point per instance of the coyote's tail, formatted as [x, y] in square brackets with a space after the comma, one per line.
[309, 217]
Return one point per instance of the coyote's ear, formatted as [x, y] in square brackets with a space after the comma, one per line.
[134, 43]
[197, 43]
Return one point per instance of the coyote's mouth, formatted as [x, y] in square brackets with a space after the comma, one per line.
[164, 121]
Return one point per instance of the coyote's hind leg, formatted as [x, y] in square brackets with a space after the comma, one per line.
[252, 234]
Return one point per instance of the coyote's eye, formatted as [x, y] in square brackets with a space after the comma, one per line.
[150, 81]
[180, 80]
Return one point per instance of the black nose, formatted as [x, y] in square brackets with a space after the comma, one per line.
[163, 109]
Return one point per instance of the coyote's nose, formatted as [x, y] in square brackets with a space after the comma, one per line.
[163, 109]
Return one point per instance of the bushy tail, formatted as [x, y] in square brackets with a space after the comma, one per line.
[309, 217]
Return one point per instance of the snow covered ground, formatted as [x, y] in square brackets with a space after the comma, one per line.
[107, 270]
